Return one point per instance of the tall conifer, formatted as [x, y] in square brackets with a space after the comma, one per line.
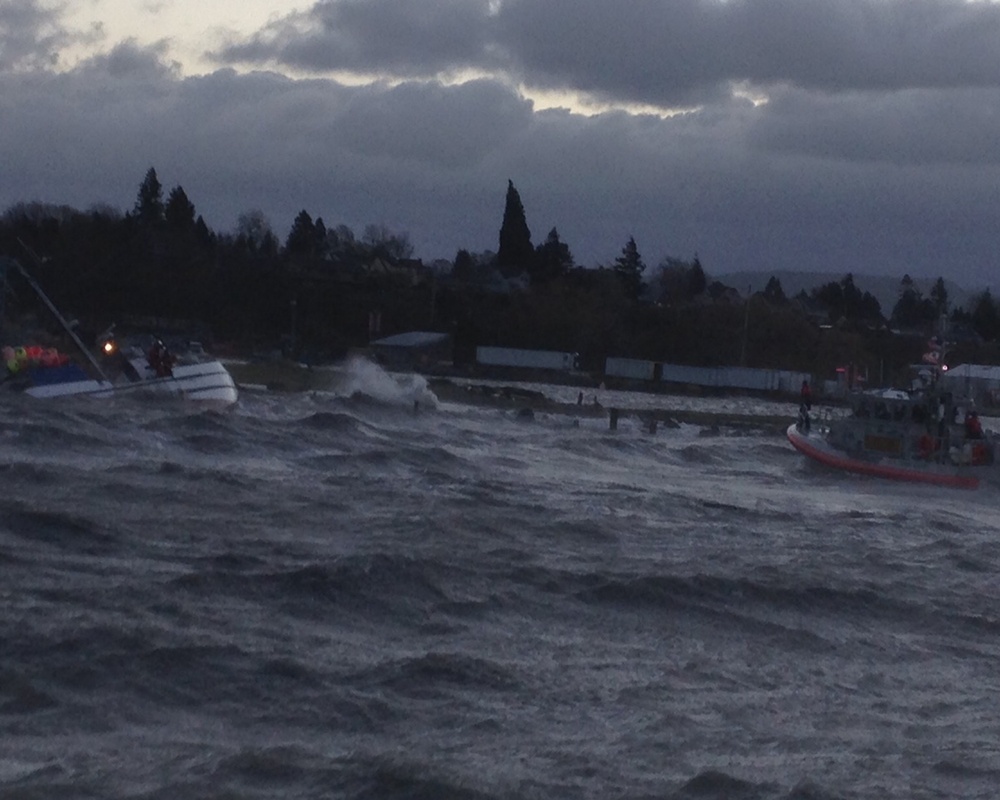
[515, 253]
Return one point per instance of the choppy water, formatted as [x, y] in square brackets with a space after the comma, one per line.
[317, 596]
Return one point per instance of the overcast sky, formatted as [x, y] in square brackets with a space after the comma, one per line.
[821, 135]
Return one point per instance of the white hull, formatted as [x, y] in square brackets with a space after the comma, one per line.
[208, 382]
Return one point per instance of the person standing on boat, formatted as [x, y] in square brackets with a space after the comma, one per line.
[806, 396]
[973, 428]
[160, 359]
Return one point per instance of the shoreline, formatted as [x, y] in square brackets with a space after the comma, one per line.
[655, 410]
[516, 399]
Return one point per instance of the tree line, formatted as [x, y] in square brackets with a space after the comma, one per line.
[325, 290]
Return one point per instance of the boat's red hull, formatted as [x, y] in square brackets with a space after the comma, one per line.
[816, 448]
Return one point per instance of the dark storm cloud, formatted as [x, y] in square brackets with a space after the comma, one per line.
[129, 60]
[30, 34]
[862, 180]
[374, 36]
[677, 53]
[687, 51]
[915, 127]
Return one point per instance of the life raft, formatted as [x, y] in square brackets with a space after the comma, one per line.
[33, 356]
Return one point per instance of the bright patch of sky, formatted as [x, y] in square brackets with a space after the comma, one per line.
[187, 33]
[190, 30]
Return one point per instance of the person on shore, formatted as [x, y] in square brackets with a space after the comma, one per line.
[806, 396]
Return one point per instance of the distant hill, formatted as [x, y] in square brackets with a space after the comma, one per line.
[885, 289]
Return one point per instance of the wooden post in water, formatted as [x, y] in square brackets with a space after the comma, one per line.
[613, 419]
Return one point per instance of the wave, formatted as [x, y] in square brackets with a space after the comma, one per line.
[389, 778]
[337, 421]
[20, 472]
[65, 530]
[431, 674]
[20, 696]
[712, 785]
[368, 586]
[41, 435]
[957, 769]
[365, 381]
[718, 785]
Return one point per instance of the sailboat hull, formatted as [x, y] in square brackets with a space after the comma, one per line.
[208, 382]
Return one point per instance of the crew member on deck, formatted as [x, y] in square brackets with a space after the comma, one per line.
[807, 400]
[160, 359]
[804, 423]
[973, 428]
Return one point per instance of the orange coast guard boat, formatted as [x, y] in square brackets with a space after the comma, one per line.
[926, 436]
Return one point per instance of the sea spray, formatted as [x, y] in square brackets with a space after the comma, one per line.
[360, 376]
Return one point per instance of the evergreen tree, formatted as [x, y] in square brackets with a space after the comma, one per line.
[462, 269]
[912, 309]
[845, 301]
[204, 235]
[552, 259]
[907, 308]
[939, 297]
[515, 253]
[179, 211]
[985, 317]
[629, 268]
[320, 235]
[149, 202]
[773, 292]
[697, 282]
[301, 239]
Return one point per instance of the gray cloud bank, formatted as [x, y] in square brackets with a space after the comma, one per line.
[876, 151]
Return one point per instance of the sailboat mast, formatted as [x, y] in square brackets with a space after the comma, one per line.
[6, 263]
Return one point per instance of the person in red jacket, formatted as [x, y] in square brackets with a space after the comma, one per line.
[973, 427]
[160, 359]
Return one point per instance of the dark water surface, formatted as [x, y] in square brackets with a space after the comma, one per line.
[320, 596]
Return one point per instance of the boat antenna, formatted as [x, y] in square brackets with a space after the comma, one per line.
[10, 262]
